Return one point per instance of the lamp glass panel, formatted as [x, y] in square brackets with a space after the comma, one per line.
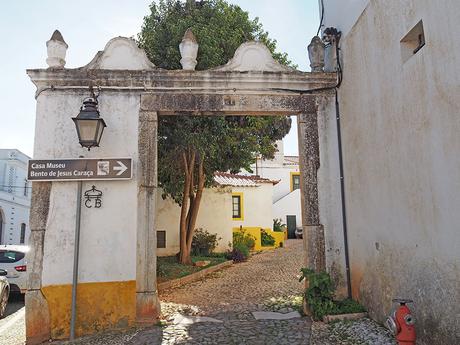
[87, 130]
[100, 129]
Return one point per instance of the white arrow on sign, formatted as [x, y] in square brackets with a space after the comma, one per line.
[121, 168]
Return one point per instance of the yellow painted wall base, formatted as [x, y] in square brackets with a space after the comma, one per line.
[106, 305]
[256, 233]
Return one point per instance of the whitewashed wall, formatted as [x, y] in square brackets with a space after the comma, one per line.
[342, 14]
[215, 216]
[15, 211]
[289, 205]
[14, 196]
[278, 172]
[257, 206]
[401, 152]
[104, 231]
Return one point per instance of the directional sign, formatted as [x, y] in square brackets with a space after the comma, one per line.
[80, 169]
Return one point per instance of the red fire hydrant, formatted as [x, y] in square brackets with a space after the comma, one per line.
[401, 323]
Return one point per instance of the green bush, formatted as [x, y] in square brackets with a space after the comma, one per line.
[278, 225]
[320, 296]
[203, 243]
[239, 253]
[267, 239]
[242, 238]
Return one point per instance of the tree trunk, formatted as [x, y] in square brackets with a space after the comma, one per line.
[195, 206]
[184, 253]
[190, 205]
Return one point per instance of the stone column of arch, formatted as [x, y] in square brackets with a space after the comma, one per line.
[37, 312]
[313, 231]
[147, 303]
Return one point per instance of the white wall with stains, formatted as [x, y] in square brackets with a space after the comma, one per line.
[342, 14]
[257, 206]
[401, 125]
[214, 216]
[108, 234]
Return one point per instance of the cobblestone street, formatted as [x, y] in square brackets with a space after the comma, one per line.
[267, 282]
[219, 310]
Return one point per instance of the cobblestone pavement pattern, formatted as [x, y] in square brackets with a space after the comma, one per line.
[268, 282]
[359, 332]
[230, 296]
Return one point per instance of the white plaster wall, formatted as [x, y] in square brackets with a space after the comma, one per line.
[342, 14]
[108, 234]
[215, 216]
[257, 206]
[401, 142]
[289, 205]
[284, 202]
[14, 200]
[15, 211]
[330, 208]
[276, 172]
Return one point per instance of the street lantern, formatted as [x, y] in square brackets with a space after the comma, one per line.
[88, 123]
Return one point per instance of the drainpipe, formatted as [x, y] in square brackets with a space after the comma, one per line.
[332, 37]
[342, 195]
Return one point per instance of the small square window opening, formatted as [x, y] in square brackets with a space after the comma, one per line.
[413, 42]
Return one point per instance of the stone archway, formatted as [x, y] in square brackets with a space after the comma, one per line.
[133, 94]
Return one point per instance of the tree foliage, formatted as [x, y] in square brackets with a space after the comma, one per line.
[219, 27]
[192, 148]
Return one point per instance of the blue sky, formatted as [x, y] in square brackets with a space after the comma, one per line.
[87, 25]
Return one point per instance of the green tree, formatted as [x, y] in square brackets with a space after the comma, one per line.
[191, 149]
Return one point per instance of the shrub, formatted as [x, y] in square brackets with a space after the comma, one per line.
[267, 239]
[239, 253]
[242, 243]
[203, 243]
[242, 238]
[349, 306]
[278, 225]
[320, 293]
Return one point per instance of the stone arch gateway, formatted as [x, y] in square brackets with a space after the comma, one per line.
[117, 285]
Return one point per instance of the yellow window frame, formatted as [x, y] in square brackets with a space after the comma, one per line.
[240, 195]
[293, 173]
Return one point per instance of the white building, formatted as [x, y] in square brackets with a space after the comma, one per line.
[286, 193]
[399, 112]
[15, 194]
[235, 201]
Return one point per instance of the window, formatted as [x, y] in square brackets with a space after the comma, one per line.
[10, 256]
[25, 188]
[161, 239]
[237, 206]
[412, 42]
[23, 233]
[295, 181]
